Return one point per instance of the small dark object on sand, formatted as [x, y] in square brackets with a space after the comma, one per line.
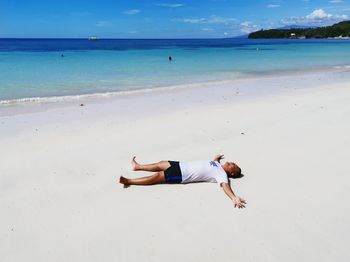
[82, 105]
[242, 133]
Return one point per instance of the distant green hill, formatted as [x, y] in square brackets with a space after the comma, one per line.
[340, 29]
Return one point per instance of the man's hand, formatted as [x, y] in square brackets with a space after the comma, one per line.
[239, 202]
[219, 157]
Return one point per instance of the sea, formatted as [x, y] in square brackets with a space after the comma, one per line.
[39, 69]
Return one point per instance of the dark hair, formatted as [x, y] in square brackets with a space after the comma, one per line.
[237, 173]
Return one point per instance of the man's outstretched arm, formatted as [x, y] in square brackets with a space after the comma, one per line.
[237, 201]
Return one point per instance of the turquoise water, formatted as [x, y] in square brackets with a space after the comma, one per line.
[43, 73]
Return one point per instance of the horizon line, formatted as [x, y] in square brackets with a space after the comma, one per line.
[103, 38]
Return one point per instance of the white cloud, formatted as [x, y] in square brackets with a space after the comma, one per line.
[272, 6]
[318, 14]
[207, 29]
[191, 20]
[170, 5]
[132, 11]
[317, 18]
[248, 27]
[336, 1]
[210, 20]
[222, 23]
[103, 23]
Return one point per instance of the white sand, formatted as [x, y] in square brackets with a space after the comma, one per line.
[59, 199]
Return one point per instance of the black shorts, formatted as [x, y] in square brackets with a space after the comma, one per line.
[173, 173]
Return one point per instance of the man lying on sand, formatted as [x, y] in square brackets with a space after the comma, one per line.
[174, 172]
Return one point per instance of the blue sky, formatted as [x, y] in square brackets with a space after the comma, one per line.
[162, 18]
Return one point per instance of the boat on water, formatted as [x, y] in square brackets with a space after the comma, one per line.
[92, 38]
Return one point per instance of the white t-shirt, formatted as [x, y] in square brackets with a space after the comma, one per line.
[203, 171]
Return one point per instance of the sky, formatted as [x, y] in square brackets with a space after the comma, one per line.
[161, 18]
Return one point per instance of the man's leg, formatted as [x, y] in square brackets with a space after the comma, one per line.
[157, 178]
[156, 167]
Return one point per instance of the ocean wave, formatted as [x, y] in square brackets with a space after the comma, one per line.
[342, 67]
[53, 99]
[68, 98]
[81, 97]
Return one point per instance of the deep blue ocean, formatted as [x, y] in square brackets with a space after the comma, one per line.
[31, 68]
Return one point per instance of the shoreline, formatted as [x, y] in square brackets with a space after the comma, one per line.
[8, 103]
[145, 104]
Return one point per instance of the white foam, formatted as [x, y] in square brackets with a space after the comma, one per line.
[342, 67]
[69, 98]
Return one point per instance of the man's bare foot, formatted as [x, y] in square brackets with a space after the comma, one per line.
[134, 164]
[123, 180]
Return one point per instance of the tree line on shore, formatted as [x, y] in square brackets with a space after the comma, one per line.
[341, 29]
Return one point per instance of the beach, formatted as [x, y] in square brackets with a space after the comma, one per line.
[60, 163]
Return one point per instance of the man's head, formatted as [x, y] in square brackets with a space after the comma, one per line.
[232, 170]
